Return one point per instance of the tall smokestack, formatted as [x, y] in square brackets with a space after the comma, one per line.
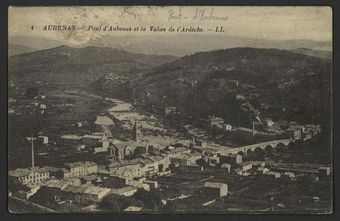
[32, 152]
[253, 128]
[136, 131]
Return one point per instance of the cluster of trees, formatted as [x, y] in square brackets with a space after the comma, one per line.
[115, 202]
[142, 198]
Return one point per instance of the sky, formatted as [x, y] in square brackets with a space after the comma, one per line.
[267, 23]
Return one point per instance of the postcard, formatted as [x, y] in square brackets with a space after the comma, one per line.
[173, 109]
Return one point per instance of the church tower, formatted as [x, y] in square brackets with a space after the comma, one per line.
[136, 131]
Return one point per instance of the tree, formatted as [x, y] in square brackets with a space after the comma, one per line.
[15, 185]
[151, 199]
[115, 202]
[202, 163]
[59, 174]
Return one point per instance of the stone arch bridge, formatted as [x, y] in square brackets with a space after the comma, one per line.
[263, 146]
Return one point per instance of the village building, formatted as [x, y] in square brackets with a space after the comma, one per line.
[133, 209]
[159, 165]
[95, 140]
[307, 135]
[11, 111]
[233, 160]
[240, 97]
[43, 139]
[59, 184]
[177, 151]
[263, 170]
[288, 175]
[94, 194]
[238, 159]
[215, 121]
[201, 143]
[258, 163]
[42, 106]
[125, 191]
[89, 179]
[187, 159]
[273, 174]
[170, 110]
[27, 191]
[244, 168]
[227, 127]
[87, 194]
[268, 122]
[80, 168]
[324, 171]
[294, 125]
[226, 166]
[114, 181]
[27, 175]
[71, 192]
[213, 159]
[313, 128]
[152, 183]
[124, 149]
[60, 173]
[127, 169]
[139, 183]
[104, 121]
[295, 134]
[70, 139]
[235, 82]
[143, 149]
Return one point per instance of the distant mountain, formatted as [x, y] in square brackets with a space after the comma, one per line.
[69, 67]
[38, 43]
[314, 53]
[177, 45]
[278, 83]
[14, 49]
[190, 44]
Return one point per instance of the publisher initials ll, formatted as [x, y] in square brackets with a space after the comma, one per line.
[219, 29]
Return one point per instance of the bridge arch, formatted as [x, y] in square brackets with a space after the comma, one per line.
[258, 153]
[280, 147]
[268, 149]
[250, 151]
[258, 149]
[240, 153]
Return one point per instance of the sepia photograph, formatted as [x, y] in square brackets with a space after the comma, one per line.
[170, 110]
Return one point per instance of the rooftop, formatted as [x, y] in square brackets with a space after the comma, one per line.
[124, 189]
[93, 136]
[133, 208]
[76, 189]
[96, 190]
[60, 184]
[225, 165]
[214, 184]
[70, 137]
[90, 177]
[80, 164]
